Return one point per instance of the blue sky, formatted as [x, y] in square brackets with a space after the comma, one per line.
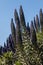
[30, 7]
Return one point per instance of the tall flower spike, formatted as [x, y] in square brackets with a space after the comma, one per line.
[18, 32]
[18, 39]
[13, 31]
[31, 26]
[34, 23]
[33, 34]
[22, 18]
[37, 23]
[28, 28]
[25, 37]
[41, 20]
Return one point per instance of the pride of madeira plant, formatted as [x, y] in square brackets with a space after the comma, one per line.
[28, 41]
